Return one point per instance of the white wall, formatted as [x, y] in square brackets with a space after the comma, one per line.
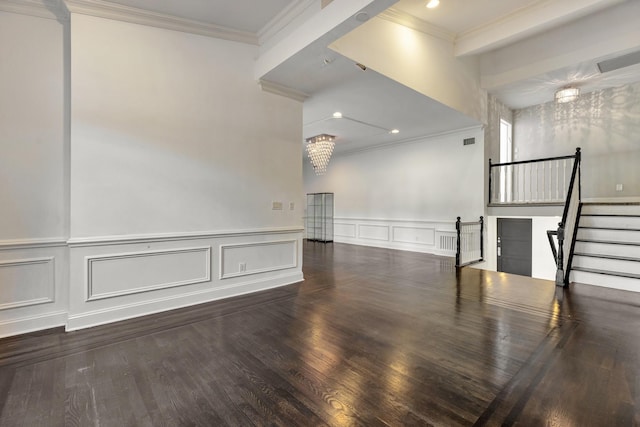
[417, 185]
[170, 132]
[33, 254]
[31, 128]
[159, 192]
[605, 124]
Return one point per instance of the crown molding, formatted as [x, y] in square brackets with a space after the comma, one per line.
[407, 20]
[523, 22]
[282, 90]
[109, 10]
[283, 18]
[49, 9]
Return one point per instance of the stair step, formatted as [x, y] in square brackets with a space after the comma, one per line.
[611, 209]
[608, 248]
[609, 234]
[602, 278]
[610, 221]
[616, 257]
[610, 228]
[607, 272]
[615, 266]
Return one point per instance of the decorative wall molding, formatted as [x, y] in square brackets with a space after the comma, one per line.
[373, 232]
[427, 236]
[413, 235]
[49, 9]
[164, 237]
[109, 10]
[407, 20]
[344, 230]
[92, 261]
[283, 18]
[156, 305]
[281, 90]
[21, 282]
[7, 245]
[281, 261]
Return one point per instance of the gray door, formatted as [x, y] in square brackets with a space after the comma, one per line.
[514, 246]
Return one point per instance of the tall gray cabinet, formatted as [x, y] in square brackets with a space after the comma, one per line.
[319, 225]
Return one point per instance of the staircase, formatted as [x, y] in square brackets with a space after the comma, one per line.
[607, 248]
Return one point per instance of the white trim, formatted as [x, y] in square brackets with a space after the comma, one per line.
[48, 9]
[89, 260]
[382, 227]
[53, 242]
[128, 311]
[163, 237]
[524, 22]
[224, 275]
[438, 228]
[417, 221]
[283, 18]
[39, 322]
[416, 242]
[51, 285]
[109, 10]
[278, 89]
[407, 20]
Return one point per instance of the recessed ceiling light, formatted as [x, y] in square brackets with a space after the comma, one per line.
[337, 115]
[433, 3]
[394, 131]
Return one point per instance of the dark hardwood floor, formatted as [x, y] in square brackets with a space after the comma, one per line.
[373, 337]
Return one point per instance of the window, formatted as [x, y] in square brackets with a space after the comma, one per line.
[506, 156]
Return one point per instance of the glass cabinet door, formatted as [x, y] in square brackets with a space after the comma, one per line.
[319, 221]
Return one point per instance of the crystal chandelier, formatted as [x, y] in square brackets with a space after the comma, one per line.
[319, 149]
[567, 94]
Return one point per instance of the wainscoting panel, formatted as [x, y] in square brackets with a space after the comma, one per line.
[252, 258]
[33, 285]
[122, 274]
[417, 235]
[117, 279]
[434, 237]
[344, 230]
[373, 232]
[26, 282]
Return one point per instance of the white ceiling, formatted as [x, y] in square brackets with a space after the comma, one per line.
[243, 15]
[496, 31]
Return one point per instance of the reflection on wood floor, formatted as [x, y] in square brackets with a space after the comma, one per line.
[371, 337]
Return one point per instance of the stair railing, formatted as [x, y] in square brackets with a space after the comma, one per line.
[567, 228]
[469, 242]
[530, 182]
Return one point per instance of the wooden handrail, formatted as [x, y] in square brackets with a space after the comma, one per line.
[563, 270]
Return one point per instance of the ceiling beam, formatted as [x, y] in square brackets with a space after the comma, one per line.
[327, 22]
[525, 22]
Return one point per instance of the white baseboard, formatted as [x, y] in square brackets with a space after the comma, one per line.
[34, 323]
[128, 311]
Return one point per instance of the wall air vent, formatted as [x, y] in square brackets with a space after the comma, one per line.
[619, 62]
[468, 141]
